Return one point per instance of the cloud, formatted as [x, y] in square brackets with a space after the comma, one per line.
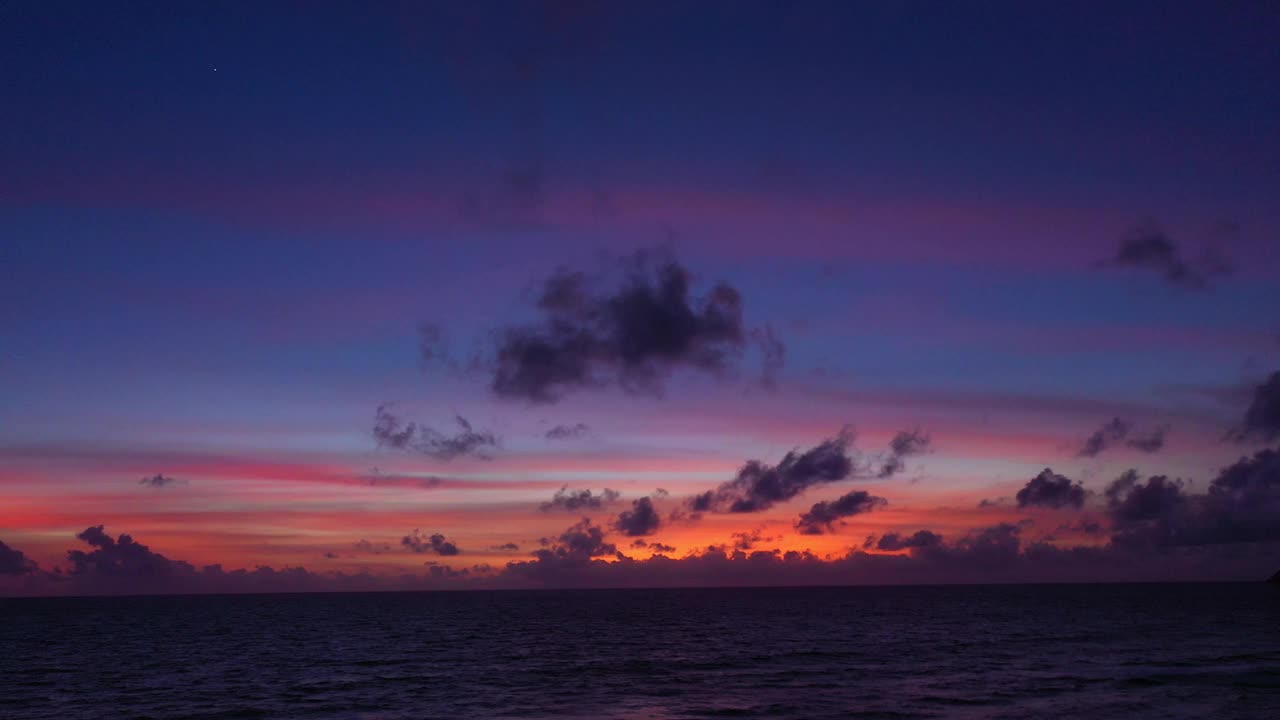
[365, 546]
[749, 540]
[1052, 491]
[432, 544]
[641, 519]
[1148, 247]
[568, 432]
[657, 547]
[905, 444]
[1241, 505]
[758, 486]
[579, 500]
[390, 431]
[1104, 437]
[579, 543]
[160, 481]
[773, 355]
[1153, 441]
[120, 558]
[14, 562]
[1262, 418]
[506, 546]
[894, 541]
[1116, 431]
[823, 515]
[632, 335]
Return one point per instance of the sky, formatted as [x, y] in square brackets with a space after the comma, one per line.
[323, 296]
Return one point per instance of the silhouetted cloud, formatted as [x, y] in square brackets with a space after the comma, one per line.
[579, 543]
[390, 431]
[641, 519]
[632, 336]
[1262, 418]
[905, 444]
[759, 486]
[435, 543]
[568, 432]
[657, 547]
[368, 547]
[120, 558]
[160, 481]
[506, 546]
[1051, 490]
[1116, 431]
[823, 515]
[1241, 505]
[1148, 247]
[750, 539]
[1112, 432]
[773, 355]
[1151, 442]
[895, 542]
[14, 562]
[579, 500]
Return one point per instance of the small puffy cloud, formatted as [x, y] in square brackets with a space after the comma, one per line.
[631, 334]
[1147, 247]
[160, 481]
[758, 486]
[579, 500]
[568, 432]
[904, 445]
[892, 542]
[435, 543]
[392, 432]
[641, 519]
[1051, 490]
[1116, 432]
[823, 516]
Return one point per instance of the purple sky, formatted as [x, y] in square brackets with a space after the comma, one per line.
[637, 247]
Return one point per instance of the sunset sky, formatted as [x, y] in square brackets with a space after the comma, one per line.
[587, 248]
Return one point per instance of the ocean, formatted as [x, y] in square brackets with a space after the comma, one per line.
[1091, 651]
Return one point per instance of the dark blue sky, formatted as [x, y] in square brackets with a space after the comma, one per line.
[222, 226]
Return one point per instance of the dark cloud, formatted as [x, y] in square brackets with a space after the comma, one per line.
[578, 544]
[657, 547]
[506, 546]
[1241, 505]
[1152, 441]
[905, 444]
[568, 432]
[1148, 247]
[823, 515]
[14, 562]
[749, 540]
[1262, 419]
[773, 355]
[759, 486]
[160, 481]
[120, 558]
[1052, 491]
[641, 519]
[632, 336]
[331, 555]
[1109, 434]
[435, 543]
[390, 431]
[579, 500]
[374, 548]
[1117, 431]
[895, 542]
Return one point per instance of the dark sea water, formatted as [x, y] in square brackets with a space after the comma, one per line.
[1110, 651]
